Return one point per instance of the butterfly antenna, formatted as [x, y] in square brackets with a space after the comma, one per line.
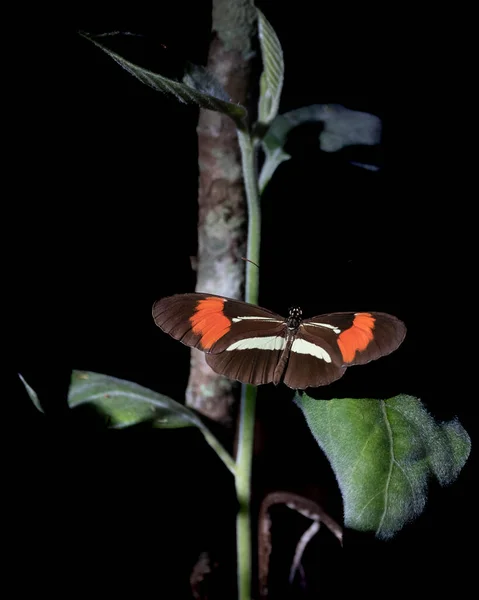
[250, 261]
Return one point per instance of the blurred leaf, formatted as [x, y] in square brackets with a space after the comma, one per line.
[271, 82]
[196, 80]
[124, 403]
[33, 395]
[342, 127]
[382, 453]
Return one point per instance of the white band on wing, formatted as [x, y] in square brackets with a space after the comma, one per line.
[270, 342]
[270, 319]
[303, 347]
[326, 325]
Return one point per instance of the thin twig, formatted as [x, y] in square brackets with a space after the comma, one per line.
[304, 506]
[301, 547]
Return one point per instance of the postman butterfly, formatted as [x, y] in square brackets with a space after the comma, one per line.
[253, 345]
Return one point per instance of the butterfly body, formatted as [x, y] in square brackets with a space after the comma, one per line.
[254, 345]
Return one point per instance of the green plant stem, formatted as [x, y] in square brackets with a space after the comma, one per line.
[244, 456]
[244, 460]
[220, 450]
[248, 156]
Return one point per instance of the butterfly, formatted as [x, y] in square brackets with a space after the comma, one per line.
[253, 345]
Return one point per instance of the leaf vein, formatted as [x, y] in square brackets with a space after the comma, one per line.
[360, 454]
[368, 503]
[391, 464]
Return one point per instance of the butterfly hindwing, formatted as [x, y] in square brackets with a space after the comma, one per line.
[314, 359]
[251, 360]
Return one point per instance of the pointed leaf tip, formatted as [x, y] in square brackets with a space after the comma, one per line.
[32, 394]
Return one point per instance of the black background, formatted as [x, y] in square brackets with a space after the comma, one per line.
[104, 222]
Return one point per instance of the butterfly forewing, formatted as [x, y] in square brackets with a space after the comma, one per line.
[212, 323]
[360, 337]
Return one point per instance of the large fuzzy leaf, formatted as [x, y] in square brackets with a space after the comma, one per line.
[382, 453]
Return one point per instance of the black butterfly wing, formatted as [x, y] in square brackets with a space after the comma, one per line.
[251, 359]
[327, 344]
[314, 359]
[242, 341]
[245, 342]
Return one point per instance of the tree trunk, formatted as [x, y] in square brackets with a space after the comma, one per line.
[222, 207]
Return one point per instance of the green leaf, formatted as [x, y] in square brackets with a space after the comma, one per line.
[271, 81]
[127, 403]
[382, 453]
[33, 395]
[124, 403]
[341, 127]
[192, 91]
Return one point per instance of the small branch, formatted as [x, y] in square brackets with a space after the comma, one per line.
[301, 547]
[304, 506]
[199, 575]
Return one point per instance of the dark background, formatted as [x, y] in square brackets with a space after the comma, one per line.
[104, 214]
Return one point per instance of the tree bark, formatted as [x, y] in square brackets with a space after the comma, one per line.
[222, 207]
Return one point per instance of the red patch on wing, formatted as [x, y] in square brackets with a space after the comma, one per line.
[357, 337]
[209, 321]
